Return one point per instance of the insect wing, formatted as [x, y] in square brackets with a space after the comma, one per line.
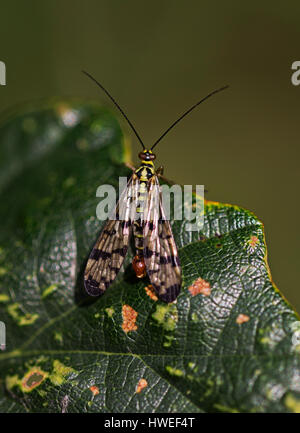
[108, 254]
[160, 251]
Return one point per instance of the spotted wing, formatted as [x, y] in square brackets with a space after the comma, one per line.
[160, 251]
[108, 254]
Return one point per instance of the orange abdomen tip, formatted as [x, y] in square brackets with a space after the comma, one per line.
[139, 266]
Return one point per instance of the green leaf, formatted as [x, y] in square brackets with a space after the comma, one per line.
[229, 344]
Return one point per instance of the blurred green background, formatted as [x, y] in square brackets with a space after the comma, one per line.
[158, 58]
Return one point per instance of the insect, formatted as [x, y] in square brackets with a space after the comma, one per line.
[156, 252]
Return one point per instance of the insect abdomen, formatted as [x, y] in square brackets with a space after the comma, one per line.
[138, 223]
[138, 263]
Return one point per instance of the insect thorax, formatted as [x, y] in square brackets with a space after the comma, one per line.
[145, 171]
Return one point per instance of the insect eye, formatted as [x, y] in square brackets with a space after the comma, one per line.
[142, 156]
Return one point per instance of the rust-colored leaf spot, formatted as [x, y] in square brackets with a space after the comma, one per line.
[200, 286]
[95, 390]
[129, 318]
[33, 379]
[151, 293]
[242, 318]
[253, 241]
[141, 385]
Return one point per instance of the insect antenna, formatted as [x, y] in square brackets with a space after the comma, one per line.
[186, 113]
[117, 105]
